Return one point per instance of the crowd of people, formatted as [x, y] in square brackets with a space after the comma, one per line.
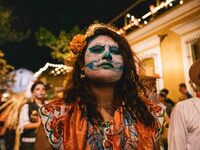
[105, 106]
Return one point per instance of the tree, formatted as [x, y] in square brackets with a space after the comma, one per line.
[5, 68]
[58, 44]
[7, 33]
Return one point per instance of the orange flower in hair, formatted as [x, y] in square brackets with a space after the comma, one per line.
[78, 43]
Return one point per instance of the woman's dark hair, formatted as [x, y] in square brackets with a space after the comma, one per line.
[162, 95]
[165, 91]
[183, 85]
[35, 84]
[127, 88]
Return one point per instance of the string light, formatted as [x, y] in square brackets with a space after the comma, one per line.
[152, 11]
[56, 71]
[146, 15]
[132, 18]
[136, 22]
[128, 15]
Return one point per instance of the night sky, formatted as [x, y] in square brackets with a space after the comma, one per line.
[58, 15]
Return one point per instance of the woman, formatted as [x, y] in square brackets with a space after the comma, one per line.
[29, 119]
[102, 108]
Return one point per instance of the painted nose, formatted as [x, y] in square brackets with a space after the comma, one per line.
[107, 56]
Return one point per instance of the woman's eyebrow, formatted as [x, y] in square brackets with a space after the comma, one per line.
[93, 46]
[113, 46]
[99, 43]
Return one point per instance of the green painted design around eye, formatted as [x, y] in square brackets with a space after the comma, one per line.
[98, 49]
[114, 50]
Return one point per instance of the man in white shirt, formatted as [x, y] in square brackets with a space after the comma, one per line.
[184, 128]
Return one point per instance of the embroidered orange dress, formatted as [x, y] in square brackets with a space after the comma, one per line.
[67, 128]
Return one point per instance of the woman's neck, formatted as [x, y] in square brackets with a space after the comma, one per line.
[38, 102]
[104, 92]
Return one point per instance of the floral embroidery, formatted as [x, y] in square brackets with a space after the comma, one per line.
[158, 113]
[97, 139]
[53, 118]
[54, 114]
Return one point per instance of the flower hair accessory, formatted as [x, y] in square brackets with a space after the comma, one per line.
[78, 43]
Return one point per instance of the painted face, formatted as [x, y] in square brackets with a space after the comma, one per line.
[103, 61]
[39, 92]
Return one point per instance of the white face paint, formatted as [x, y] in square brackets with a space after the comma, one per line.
[103, 61]
[39, 92]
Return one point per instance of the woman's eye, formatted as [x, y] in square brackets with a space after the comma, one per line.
[97, 49]
[114, 50]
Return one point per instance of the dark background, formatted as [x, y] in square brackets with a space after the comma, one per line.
[56, 15]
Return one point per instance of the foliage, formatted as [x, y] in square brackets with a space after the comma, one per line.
[5, 68]
[7, 33]
[58, 44]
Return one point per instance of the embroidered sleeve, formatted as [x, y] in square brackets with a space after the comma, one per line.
[159, 114]
[53, 116]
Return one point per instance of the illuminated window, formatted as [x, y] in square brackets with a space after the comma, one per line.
[148, 65]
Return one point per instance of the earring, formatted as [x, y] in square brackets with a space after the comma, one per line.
[82, 75]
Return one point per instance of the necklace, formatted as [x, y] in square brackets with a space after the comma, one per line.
[106, 130]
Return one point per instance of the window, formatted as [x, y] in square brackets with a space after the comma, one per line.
[195, 48]
[148, 65]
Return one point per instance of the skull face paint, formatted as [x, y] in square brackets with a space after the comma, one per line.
[103, 61]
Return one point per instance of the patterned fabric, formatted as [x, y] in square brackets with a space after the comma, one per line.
[52, 116]
[66, 129]
[101, 137]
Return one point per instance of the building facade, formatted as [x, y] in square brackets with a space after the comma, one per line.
[169, 44]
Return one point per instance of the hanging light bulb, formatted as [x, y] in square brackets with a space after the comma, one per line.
[132, 18]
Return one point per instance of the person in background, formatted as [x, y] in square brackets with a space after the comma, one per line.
[167, 101]
[102, 107]
[29, 119]
[184, 92]
[184, 127]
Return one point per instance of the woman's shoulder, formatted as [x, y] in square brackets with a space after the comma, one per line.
[157, 111]
[52, 106]
[53, 118]
[155, 108]
[56, 108]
